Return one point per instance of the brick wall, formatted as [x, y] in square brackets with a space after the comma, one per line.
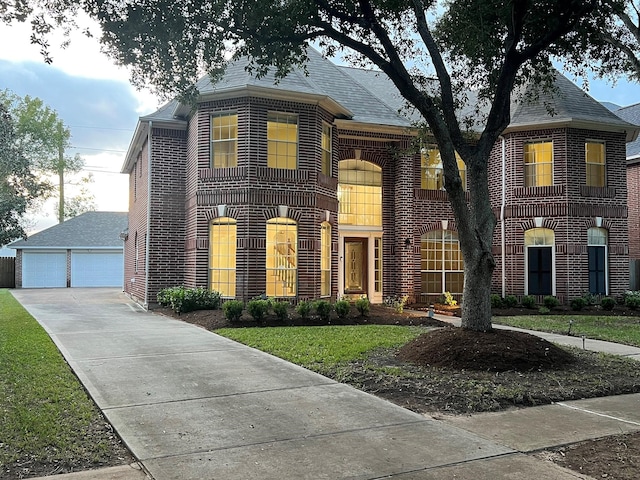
[633, 195]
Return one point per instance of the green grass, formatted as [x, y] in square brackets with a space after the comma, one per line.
[624, 330]
[45, 415]
[322, 348]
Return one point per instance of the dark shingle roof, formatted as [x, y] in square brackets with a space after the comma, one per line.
[88, 230]
[632, 115]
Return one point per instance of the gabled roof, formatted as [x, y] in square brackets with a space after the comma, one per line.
[632, 115]
[93, 230]
[567, 105]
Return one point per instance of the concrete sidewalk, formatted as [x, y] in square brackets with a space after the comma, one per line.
[193, 405]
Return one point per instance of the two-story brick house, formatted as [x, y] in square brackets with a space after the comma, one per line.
[315, 187]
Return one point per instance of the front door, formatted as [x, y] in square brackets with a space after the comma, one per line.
[355, 266]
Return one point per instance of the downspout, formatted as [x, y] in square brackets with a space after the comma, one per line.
[502, 214]
[148, 236]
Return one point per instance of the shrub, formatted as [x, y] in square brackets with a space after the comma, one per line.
[303, 309]
[323, 309]
[281, 310]
[632, 301]
[550, 302]
[364, 306]
[578, 304]
[397, 303]
[528, 301]
[589, 298]
[342, 307]
[182, 300]
[496, 301]
[543, 310]
[449, 300]
[232, 310]
[607, 303]
[510, 301]
[258, 308]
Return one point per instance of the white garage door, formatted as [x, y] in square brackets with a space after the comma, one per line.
[44, 269]
[96, 268]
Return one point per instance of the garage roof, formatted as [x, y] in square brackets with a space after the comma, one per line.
[88, 230]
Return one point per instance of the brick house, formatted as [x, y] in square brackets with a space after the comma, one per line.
[632, 114]
[315, 187]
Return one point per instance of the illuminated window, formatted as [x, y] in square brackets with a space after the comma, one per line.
[222, 256]
[326, 149]
[325, 259]
[432, 176]
[595, 163]
[539, 244]
[442, 267]
[224, 140]
[359, 193]
[538, 164]
[281, 257]
[282, 141]
[597, 250]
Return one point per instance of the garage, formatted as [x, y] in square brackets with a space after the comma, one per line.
[96, 268]
[84, 251]
[44, 269]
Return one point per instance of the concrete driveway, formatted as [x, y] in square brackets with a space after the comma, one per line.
[193, 405]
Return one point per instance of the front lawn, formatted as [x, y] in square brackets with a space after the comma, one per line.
[621, 329]
[48, 424]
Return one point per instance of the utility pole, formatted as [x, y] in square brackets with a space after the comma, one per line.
[60, 174]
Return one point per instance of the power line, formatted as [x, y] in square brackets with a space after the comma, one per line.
[98, 149]
[100, 128]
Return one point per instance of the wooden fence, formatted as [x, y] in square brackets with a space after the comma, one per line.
[7, 272]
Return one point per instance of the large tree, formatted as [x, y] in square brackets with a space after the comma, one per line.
[433, 51]
[19, 186]
[42, 138]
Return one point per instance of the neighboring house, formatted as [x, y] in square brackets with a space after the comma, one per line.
[315, 187]
[632, 114]
[84, 251]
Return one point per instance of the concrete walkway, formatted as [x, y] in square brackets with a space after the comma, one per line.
[193, 405]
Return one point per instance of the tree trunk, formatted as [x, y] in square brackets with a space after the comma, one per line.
[476, 304]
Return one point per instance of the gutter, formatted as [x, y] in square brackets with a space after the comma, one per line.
[502, 214]
[148, 236]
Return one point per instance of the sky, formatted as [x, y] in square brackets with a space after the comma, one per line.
[97, 103]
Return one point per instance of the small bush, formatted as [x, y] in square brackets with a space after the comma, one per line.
[632, 301]
[528, 301]
[590, 298]
[323, 309]
[258, 309]
[342, 307]
[543, 310]
[550, 302]
[578, 304]
[232, 310]
[510, 301]
[182, 300]
[281, 310]
[496, 301]
[449, 300]
[397, 303]
[363, 305]
[607, 303]
[304, 309]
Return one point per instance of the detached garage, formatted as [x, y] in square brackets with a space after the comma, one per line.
[84, 251]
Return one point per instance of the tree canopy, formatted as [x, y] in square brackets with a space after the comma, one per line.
[433, 51]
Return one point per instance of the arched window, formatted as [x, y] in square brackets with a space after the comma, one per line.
[442, 267]
[597, 239]
[539, 243]
[325, 259]
[432, 176]
[281, 257]
[359, 193]
[222, 256]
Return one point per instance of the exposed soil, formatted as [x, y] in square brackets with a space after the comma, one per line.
[453, 371]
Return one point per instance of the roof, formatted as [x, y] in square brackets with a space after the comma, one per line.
[88, 230]
[632, 115]
[567, 105]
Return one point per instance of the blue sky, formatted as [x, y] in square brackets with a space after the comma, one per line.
[95, 100]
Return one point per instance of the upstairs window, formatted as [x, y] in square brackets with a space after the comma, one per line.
[282, 141]
[224, 140]
[595, 163]
[432, 174]
[538, 164]
[326, 149]
[359, 193]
